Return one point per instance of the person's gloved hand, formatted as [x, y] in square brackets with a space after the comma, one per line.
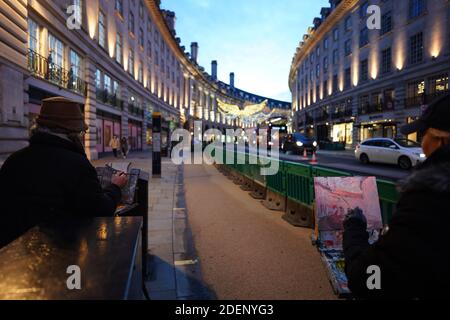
[355, 216]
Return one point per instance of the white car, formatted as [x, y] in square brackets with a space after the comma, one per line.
[402, 152]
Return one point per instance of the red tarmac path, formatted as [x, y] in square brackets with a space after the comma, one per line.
[247, 251]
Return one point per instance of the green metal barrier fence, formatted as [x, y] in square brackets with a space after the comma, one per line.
[296, 181]
[387, 191]
[299, 183]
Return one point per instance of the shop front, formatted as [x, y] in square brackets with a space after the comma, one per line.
[342, 133]
[135, 135]
[378, 130]
[323, 132]
[108, 125]
[416, 137]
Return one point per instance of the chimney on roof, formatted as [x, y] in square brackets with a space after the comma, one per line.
[171, 19]
[214, 70]
[194, 51]
[232, 80]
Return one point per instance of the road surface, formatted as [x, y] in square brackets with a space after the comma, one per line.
[346, 161]
[245, 250]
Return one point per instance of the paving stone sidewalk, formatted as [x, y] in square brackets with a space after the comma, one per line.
[174, 269]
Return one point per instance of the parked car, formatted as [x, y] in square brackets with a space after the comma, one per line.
[297, 143]
[402, 152]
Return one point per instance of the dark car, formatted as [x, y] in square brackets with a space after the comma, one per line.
[297, 143]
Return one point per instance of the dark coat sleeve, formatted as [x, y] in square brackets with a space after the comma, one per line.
[91, 199]
[399, 253]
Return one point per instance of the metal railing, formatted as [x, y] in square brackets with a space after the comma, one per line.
[40, 67]
[342, 114]
[375, 108]
[135, 110]
[424, 99]
[295, 181]
[104, 96]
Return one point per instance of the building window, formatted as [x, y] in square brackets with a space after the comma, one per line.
[335, 83]
[101, 29]
[348, 47]
[364, 37]
[149, 49]
[98, 79]
[336, 56]
[348, 78]
[119, 48]
[56, 50]
[363, 10]
[131, 22]
[416, 89]
[336, 34]
[34, 42]
[386, 60]
[141, 37]
[75, 64]
[439, 84]
[141, 10]
[386, 23]
[141, 74]
[364, 70]
[326, 43]
[318, 51]
[318, 70]
[131, 62]
[348, 23]
[119, 7]
[116, 88]
[325, 65]
[416, 48]
[149, 26]
[78, 12]
[416, 8]
[107, 83]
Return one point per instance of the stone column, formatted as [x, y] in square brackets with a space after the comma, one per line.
[190, 96]
[13, 116]
[144, 128]
[124, 119]
[356, 132]
[90, 111]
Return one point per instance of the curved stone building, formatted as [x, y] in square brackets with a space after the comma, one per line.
[365, 68]
[120, 59]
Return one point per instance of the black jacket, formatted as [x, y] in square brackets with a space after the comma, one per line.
[48, 180]
[414, 255]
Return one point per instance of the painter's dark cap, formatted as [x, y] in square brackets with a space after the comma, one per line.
[436, 116]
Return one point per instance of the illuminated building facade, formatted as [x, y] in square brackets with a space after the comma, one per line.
[120, 59]
[350, 82]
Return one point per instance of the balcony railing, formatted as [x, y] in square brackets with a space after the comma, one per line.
[40, 67]
[135, 110]
[416, 101]
[424, 99]
[105, 97]
[376, 108]
[342, 114]
[323, 117]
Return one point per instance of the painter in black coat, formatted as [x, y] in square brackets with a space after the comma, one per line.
[48, 180]
[414, 255]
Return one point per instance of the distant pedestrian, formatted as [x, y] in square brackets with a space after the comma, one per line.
[124, 147]
[413, 255]
[115, 145]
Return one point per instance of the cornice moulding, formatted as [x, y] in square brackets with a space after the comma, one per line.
[334, 18]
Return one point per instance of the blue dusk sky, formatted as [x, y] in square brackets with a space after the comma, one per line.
[255, 39]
